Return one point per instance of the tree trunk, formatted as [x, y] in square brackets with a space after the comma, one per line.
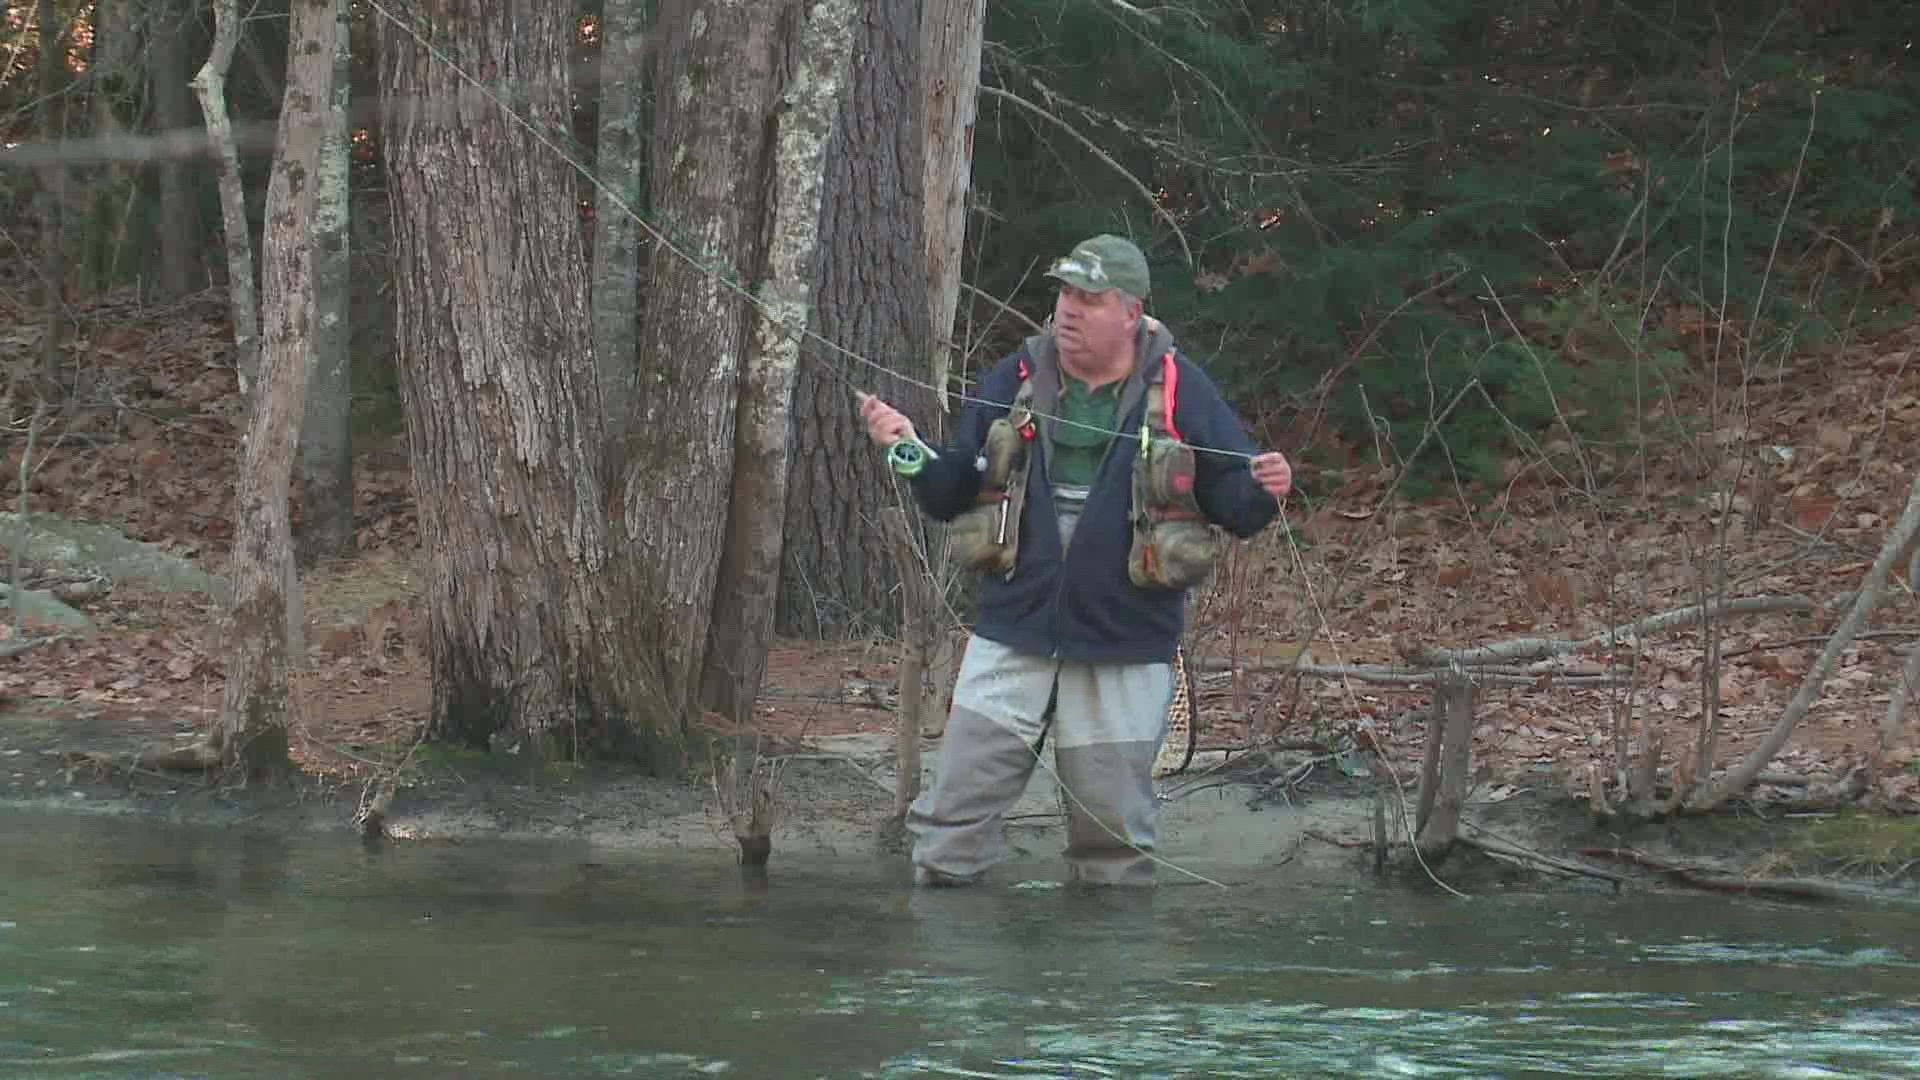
[533, 638]
[326, 437]
[952, 32]
[694, 331]
[180, 227]
[618, 157]
[253, 714]
[749, 579]
[1439, 823]
[114, 70]
[837, 577]
[211, 85]
[53, 255]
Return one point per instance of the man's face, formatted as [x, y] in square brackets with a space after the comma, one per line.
[1094, 324]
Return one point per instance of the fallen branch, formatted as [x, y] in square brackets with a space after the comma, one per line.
[1519, 649]
[1899, 539]
[15, 648]
[1513, 852]
[199, 756]
[1285, 784]
[1705, 879]
[1815, 639]
[1337, 841]
[1420, 676]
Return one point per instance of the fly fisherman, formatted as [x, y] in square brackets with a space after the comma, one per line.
[1085, 489]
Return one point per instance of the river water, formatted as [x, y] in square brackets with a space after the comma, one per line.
[128, 949]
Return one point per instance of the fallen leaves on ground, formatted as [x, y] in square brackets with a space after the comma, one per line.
[1796, 486]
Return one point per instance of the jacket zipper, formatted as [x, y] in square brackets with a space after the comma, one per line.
[1060, 574]
[1060, 571]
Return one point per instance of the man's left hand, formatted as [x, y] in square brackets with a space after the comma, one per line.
[1272, 472]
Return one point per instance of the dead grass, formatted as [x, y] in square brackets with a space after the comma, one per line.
[342, 593]
[1851, 843]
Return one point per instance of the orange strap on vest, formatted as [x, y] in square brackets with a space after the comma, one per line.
[1159, 410]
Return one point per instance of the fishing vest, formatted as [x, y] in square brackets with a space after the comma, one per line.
[1174, 546]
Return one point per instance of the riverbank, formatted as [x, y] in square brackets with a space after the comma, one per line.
[1229, 820]
[1370, 580]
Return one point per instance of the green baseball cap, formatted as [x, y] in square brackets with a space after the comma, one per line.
[1101, 263]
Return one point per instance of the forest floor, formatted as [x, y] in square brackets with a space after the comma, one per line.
[1355, 572]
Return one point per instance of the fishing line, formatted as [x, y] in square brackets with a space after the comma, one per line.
[1353, 702]
[666, 242]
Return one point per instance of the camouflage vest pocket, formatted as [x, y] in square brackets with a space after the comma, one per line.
[986, 536]
[1174, 545]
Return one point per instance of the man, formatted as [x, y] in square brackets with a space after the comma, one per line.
[1066, 643]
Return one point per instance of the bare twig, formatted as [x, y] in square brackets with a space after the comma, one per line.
[1704, 878]
[1136, 12]
[1541, 648]
[1005, 307]
[1094, 149]
[1423, 676]
[1502, 850]
[20, 645]
[20, 538]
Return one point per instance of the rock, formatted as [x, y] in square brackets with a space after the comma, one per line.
[88, 547]
[40, 606]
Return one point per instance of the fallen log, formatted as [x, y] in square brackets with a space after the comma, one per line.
[198, 756]
[1706, 879]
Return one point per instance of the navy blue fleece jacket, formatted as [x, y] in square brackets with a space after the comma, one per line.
[1079, 604]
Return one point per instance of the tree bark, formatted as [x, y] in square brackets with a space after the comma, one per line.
[748, 583]
[618, 158]
[53, 255]
[952, 34]
[534, 641]
[1439, 823]
[210, 83]
[253, 714]
[837, 577]
[694, 330]
[113, 69]
[326, 436]
[180, 226]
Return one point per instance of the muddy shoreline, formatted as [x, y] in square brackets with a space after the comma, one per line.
[1220, 823]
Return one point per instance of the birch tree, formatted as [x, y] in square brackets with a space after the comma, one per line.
[253, 717]
[749, 576]
[326, 436]
[837, 576]
[210, 83]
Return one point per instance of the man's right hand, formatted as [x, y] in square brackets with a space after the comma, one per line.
[886, 425]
